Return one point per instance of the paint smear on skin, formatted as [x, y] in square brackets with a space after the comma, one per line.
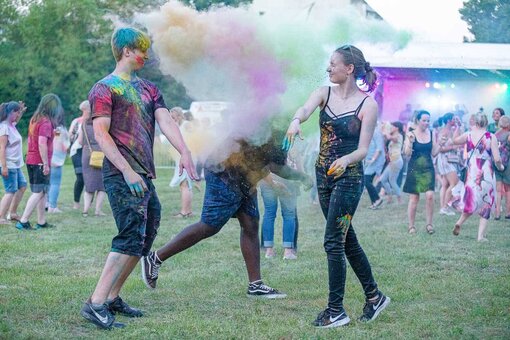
[265, 65]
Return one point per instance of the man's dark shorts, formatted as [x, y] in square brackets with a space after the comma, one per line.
[223, 201]
[137, 218]
[38, 181]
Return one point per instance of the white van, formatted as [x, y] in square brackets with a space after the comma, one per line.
[213, 110]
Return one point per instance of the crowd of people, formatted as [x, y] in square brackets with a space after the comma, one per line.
[49, 143]
[424, 158]
[356, 151]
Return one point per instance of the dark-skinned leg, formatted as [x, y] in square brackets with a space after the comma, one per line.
[187, 238]
[249, 241]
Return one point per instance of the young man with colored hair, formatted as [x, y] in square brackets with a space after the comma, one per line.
[125, 109]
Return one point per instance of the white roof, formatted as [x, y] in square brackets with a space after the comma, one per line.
[473, 56]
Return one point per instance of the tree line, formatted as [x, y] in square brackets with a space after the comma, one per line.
[63, 46]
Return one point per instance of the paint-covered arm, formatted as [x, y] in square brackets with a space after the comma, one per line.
[285, 171]
[172, 132]
[368, 117]
[302, 114]
[104, 139]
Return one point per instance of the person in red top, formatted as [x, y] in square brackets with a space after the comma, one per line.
[40, 149]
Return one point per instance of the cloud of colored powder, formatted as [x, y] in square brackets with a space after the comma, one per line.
[265, 64]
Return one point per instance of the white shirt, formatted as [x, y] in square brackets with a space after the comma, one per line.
[13, 150]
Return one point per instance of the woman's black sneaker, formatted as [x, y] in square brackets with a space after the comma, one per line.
[329, 318]
[372, 308]
[117, 305]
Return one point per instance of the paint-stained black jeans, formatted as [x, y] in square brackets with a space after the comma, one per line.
[339, 199]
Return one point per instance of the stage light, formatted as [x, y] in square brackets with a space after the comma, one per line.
[452, 85]
[505, 87]
[427, 84]
[496, 85]
[437, 85]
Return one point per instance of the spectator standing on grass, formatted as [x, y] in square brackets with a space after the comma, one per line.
[40, 150]
[76, 151]
[390, 174]
[503, 178]
[181, 179]
[420, 147]
[496, 115]
[11, 160]
[125, 110]
[348, 117]
[60, 147]
[274, 189]
[448, 161]
[373, 166]
[92, 176]
[479, 191]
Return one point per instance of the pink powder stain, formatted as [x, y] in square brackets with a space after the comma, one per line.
[469, 200]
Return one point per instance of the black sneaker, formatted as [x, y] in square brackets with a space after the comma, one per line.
[99, 315]
[329, 318]
[150, 269]
[117, 305]
[259, 289]
[24, 226]
[372, 308]
[45, 225]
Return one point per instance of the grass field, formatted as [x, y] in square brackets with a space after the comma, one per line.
[441, 287]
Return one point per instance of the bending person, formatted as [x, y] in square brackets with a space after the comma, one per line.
[230, 192]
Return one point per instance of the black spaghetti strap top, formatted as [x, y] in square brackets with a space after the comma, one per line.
[339, 133]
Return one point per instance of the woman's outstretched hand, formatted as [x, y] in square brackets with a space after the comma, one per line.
[293, 131]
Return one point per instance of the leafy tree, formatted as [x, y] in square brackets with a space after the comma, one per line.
[203, 5]
[63, 47]
[488, 20]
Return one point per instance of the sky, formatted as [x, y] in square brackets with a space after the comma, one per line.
[429, 20]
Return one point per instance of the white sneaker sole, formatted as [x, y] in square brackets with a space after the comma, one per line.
[268, 296]
[142, 262]
[338, 323]
[380, 309]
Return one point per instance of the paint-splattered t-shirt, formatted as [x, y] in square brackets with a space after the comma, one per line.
[131, 106]
[42, 128]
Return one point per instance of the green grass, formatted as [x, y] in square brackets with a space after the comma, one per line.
[441, 286]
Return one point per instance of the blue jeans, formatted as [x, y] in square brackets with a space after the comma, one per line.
[288, 207]
[14, 181]
[390, 175]
[55, 180]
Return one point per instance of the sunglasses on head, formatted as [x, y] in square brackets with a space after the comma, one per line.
[348, 48]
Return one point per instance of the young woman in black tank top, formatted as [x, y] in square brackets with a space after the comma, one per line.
[347, 122]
